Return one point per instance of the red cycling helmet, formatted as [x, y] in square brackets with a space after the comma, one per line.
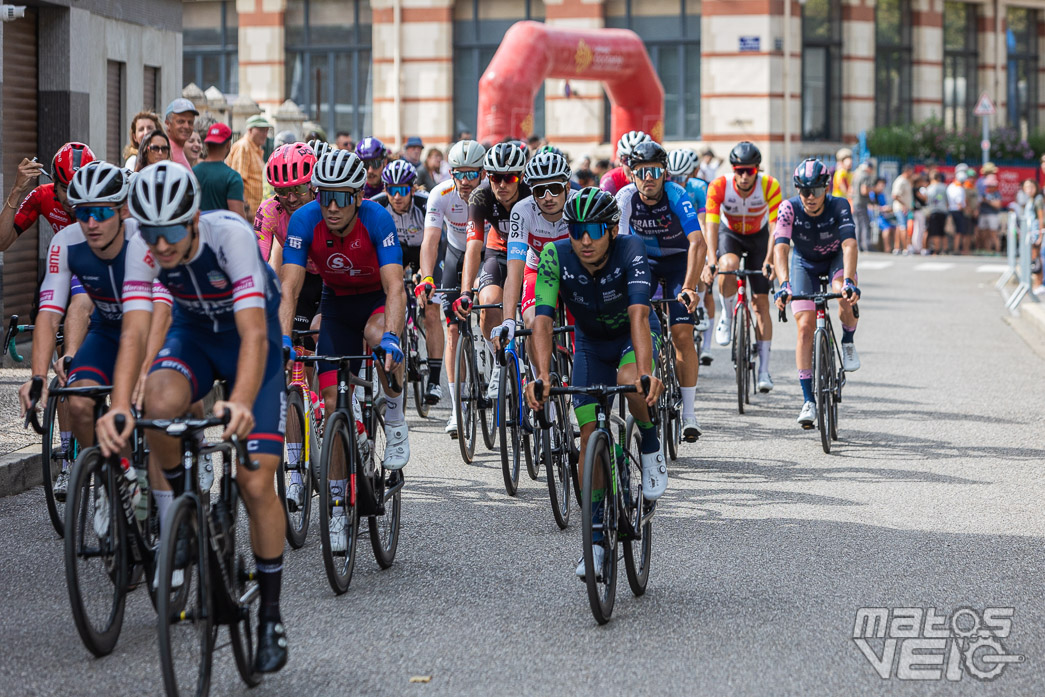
[69, 158]
[290, 164]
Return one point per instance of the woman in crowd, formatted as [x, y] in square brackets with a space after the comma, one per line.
[143, 123]
[194, 148]
[154, 147]
[431, 172]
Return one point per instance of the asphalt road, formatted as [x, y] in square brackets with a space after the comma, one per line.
[764, 547]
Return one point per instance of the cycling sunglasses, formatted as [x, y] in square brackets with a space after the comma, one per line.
[401, 190]
[343, 199]
[504, 178]
[651, 172]
[99, 213]
[542, 190]
[750, 171]
[812, 191]
[172, 233]
[470, 176]
[374, 163]
[300, 190]
[593, 230]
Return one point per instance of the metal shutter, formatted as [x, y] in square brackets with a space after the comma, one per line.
[19, 139]
[151, 80]
[114, 111]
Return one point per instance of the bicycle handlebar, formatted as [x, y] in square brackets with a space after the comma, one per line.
[179, 428]
[393, 382]
[782, 314]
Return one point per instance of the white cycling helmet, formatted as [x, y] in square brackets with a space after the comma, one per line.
[629, 140]
[466, 153]
[546, 165]
[504, 157]
[339, 168]
[98, 182]
[682, 162]
[320, 147]
[164, 194]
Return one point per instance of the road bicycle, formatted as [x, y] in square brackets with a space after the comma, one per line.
[301, 448]
[415, 347]
[670, 403]
[514, 422]
[744, 351]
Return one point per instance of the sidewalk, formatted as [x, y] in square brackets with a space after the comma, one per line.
[19, 448]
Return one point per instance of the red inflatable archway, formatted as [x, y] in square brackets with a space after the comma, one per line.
[532, 51]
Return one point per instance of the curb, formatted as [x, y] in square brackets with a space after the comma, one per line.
[20, 470]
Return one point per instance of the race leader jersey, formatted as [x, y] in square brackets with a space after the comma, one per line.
[815, 239]
[663, 226]
[599, 303]
[102, 279]
[614, 180]
[446, 206]
[270, 225]
[351, 264]
[530, 231]
[226, 275]
[743, 216]
[489, 218]
[41, 201]
[409, 225]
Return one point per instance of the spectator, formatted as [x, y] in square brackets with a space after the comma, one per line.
[956, 210]
[156, 147]
[916, 222]
[989, 229]
[284, 137]
[180, 118]
[585, 177]
[938, 209]
[903, 206]
[708, 166]
[600, 168]
[220, 185]
[431, 173]
[986, 170]
[412, 152]
[343, 141]
[247, 157]
[863, 187]
[534, 142]
[886, 218]
[194, 148]
[313, 131]
[1032, 223]
[143, 123]
[842, 182]
[583, 162]
[465, 134]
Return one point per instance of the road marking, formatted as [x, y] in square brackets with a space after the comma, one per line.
[933, 266]
[875, 265]
[992, 268]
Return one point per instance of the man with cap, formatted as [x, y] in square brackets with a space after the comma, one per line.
[247, 157]
[220, 185]
[180, 119]
[412, 151]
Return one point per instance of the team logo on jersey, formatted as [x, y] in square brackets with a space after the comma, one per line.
[389, 241]
[46, 295]
[339, 262]
[217, 279]
[294, 242]
[52, 258]
[149, 260]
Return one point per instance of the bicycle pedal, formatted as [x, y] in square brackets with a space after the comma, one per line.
[807, 427]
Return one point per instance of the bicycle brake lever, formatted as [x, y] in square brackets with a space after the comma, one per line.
[242, 455]
[31, 419]
[782, 316]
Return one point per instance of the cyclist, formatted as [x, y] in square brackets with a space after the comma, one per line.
[748, 201]
[447, 203]
[407, 208]
[374, 155]
[320, 147]
[353, 243]
[660, 214]
[489, 221]
[604, 279]
[821, 229]
[620, 176]
[225, 326]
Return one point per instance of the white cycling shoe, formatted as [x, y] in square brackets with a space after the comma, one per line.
[397, 448]
[690, 429]
[339, 533]
[295, 496]
[765, 383]
[451, 425]
[808, 415]
[850, 358]
[599, 556]
[724, 329]
[495, 383]
[654, 475]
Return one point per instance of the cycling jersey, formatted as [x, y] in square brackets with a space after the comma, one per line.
[530, 231]
[41, 201]
[489, 218]
[351, 264]
[697, 190]
[270, 225]
[446, 206]
[744, 215]
[816, 238]
[664, 226]
[614, 180]
[409, 225]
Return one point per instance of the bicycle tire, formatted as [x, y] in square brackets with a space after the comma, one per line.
[487, 412]
[337, 440]
[50, 461]
[419, 359]
[297, 433]
[557, 463]
[751, 381]
[186, 634]
[384, 542]
[740, 357]
[821, 389]
[465, 399]
[509, 425]
[244, 578]
[637, 570]
[97, 623]
[601, 592]
[669, 411]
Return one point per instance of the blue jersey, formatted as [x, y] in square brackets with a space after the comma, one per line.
[665, 225]
[697, 190]
[815, 238]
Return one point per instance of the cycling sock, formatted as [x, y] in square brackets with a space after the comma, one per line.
[493, 350]
[650, 443]
[453, 400]
[805, 377]
[67, 438]
[293, 453]
[176, 478]
[435, 370]
[708, 335]
[728, 304]
[270, 578]
[763, 356]
[847, 334]
[295, 477]
[689, 396]
[394, 409]
[337, 491]
[163, 502]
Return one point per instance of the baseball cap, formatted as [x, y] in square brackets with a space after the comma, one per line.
[180, 106]
[218, 134]
[258, 121]
[414, 142]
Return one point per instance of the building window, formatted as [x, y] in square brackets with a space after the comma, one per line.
[114, 110]
[478, 30]
[959, 64]
[151, 89]
[327, 69]
[673, 43]
[210, 45]
[822, 70]
[1021, 37]
[892, 63]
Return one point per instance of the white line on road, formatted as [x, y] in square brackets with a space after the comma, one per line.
[992, 268]
[933, 266]
[875, 265]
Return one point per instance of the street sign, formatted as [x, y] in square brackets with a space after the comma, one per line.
[985, 106]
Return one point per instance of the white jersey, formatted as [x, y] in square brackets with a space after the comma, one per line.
[530, 231]
[445, 205]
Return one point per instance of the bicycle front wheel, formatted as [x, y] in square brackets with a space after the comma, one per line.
[418, 369]
[602, 587]
[487, 412]
[509, 425]
[467, 387]
[239, 560]
[293, 473]
[387, 486]
[822, 388]
[338, 507]
[636, 552]
[740, 357]
[556, 445]
[54, 458]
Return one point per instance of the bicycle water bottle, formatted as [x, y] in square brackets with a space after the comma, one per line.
[131, 480]
[318, 407]
[141, 509]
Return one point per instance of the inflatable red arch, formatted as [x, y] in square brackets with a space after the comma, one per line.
[532, 51]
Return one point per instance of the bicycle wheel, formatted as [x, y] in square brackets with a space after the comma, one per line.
[186, 632]
[740, 357]
[636, 552]
[387, 485]
[239, 562]
[670, 403]
[531, 442]
[835, 390]
[752, 356]
[822, 388]
[338, 456]
[294, 464]
[418, 368]
[557, 461]
[52, 457]
[509, 425]
[602, 589]
[466, 386]
[487, 407]
[96, 554]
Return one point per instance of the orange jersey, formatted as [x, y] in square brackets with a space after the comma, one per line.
[744, 216]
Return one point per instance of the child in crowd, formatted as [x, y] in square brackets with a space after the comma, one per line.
[886, 218]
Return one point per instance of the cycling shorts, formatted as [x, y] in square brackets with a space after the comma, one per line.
[529, 289]
[453, 264]
[341, 334]
[308, 307]
[494, 269]
[202, 356]
[96, 357]
[671, 271]
[597, 363]
[805, 278]
[755, 245]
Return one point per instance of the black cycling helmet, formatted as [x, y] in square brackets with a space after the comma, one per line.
[810, 174]
[648, 151]
[592, 205]
[745, 154]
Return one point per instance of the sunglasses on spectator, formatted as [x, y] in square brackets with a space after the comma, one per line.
[470, 176]
[300, 190]
[159, 148]
[504, 178]
[542, 190]
[749, 171]
[651, 172]
[593, 230]
[812, 191]
[343, 199]
[99, 213]
[401, 190]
